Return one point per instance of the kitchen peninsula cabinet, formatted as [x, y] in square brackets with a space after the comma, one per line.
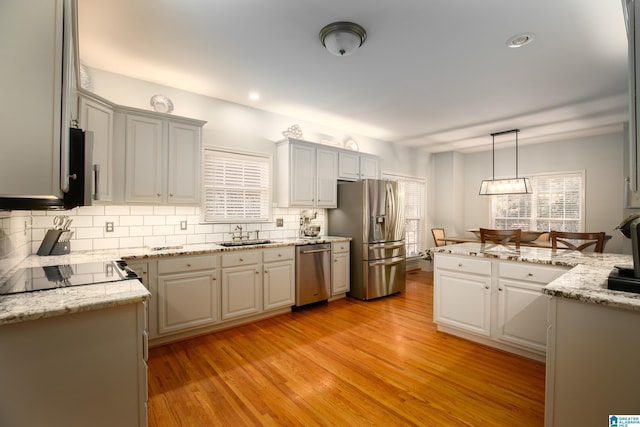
[163, 159]
[38, 95]
[188, 293]
[462, 293]
[340, 271]
[307, 175]
[496, 302]
[522, 308]
[87, 368]
[592, 363]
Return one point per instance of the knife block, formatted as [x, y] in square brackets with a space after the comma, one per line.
[61, 248]
[49, 241]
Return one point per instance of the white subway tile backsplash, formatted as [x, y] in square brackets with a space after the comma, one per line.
[141, 231]
[163, 230]
[141, 210]
[136, 226]
[113, 243]
[164, 210]
[155, 220]
[117, 210]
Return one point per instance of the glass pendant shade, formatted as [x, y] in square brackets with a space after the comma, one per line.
[490, 187]
[342, 38]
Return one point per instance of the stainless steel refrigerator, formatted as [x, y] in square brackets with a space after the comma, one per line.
[371, 213]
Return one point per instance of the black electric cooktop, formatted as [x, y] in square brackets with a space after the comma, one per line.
[60, 276]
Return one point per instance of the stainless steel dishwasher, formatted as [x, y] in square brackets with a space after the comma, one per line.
[313, 273]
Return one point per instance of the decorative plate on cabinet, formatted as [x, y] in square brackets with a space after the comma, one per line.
[161, 104]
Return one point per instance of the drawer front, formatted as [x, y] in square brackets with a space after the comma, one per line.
[278, 254]
[530, 272]
[188, 263]
[339, 247]
[238, 258]
[463, 264]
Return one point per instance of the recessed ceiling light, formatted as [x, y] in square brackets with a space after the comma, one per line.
[254, 96]
[520, 40]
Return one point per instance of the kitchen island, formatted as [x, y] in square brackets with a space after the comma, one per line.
[592, 336]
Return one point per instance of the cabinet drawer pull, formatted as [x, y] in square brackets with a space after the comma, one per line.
[530, 274]
[486, 287]
[241, 260]
[279, 255]
[265, 272]
[257, 272]
[460, 265]
[499, 289]
[188, 265]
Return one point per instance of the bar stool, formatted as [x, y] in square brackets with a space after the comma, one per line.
[588, 239]
[501, 237]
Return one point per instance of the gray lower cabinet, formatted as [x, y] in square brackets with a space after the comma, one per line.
[279, 270]
[340, 278]
[188, 292]
[82, 369]
[241, 284]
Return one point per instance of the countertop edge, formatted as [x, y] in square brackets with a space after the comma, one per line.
[23, 307]
[586, 280]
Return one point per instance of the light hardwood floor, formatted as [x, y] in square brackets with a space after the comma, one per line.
[346, 363]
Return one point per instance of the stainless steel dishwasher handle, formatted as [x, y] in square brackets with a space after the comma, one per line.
[393, 262]
[314, 251]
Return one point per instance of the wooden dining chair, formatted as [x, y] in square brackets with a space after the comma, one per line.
[585, 240]
[501, 237]
[438, 236]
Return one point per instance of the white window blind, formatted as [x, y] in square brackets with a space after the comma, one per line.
[557, 203]
[413, 190]
[236, 186]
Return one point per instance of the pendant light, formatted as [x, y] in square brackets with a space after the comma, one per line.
[516, 185]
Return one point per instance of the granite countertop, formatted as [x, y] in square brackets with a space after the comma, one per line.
[586, 281]
[36, 305]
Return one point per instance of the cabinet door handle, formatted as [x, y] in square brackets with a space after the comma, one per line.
[530, 274]
[213, 278]
[486, 286]
[241, 260]
[158, 194]
[500, 289]
[460, 265]
[257, 272]
[265, 272]
[188, 265]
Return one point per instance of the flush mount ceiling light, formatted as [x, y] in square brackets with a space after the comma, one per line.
[520, 40]
[342, 38]
[516, 185]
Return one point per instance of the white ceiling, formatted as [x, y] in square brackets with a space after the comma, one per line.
[432, 74]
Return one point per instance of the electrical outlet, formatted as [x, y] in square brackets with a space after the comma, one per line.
[108, 226]
[279, 222]
[183, 225]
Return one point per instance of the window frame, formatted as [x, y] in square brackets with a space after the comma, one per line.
[264, 158]
[533, 218]
[420, 232]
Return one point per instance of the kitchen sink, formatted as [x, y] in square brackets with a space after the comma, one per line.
[245, 243]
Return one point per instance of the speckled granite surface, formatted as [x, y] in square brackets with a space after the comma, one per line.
[36, 305]
[586, 281]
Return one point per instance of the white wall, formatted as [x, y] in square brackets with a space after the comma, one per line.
[600, 156]
[251, 129]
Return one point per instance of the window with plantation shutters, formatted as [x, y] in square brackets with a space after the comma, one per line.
[236, 187]
[556, 203]
[413, 193]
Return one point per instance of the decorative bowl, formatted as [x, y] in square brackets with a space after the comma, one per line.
[525, 235]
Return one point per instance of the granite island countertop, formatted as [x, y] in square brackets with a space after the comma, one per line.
[586, 281]
[41, 304]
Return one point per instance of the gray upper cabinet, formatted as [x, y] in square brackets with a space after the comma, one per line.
[353, 166]
[96, 116]
[37, 51]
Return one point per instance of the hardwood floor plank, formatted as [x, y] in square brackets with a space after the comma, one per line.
[349, 362]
